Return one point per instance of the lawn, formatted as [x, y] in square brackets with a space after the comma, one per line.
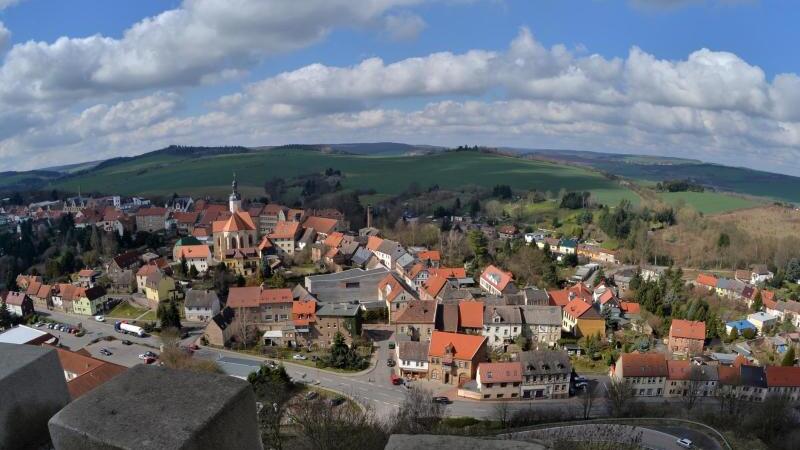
[709, 202]
[126, 310]
[387, 175]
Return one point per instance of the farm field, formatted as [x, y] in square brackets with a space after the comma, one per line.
[388, 175]
[709, 202]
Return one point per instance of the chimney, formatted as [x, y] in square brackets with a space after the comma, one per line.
[369, 216]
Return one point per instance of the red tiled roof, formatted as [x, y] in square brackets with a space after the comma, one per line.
[16, 298]
[193, 251]
[465, 346]
[239, 221]
[373, 242]
[86, 272]
[577, 307]
[562, 297]
[334, 240]
[728, 374]
[503, 277]
[629, 307]
[471, 314]
[449, 272]
[500, 372]
[89, 372]
[152, 211]
[643, 364]
[265, 243]
[253, 296]
[396, 288]
[418, 311]
[321, 225]
[186, 217]
[706, 280]
[432, 255]
[687, 329]
[147, 270]
[779, 376]
[276, 296]
[434, 285]
[200, 232]
[679, 369]
[606, 297]
[285, 230]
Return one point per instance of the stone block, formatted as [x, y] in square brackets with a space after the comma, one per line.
[151, 407]
[32, 390]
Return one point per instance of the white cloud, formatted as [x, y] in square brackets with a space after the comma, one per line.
[5, 35]
[404, 26]
[6, 3]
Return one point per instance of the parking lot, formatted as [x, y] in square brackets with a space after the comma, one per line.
[124, 355]
[71, 341]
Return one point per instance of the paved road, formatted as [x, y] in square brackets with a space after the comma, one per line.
[623, 434]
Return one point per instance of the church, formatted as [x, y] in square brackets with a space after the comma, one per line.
[236, 238]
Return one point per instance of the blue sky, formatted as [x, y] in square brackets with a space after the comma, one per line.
[714, 80]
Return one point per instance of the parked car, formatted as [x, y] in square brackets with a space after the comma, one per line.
[127, 342]
[396, 380]
[579, 379]
[581, 385]
[150, 354]
[391, 345]
[149, 360]
[390, 362]
[336, 401]
[271, 364]
[105, 351]
[100, 318]
[299, 357]
[442, 400]
[685, 443]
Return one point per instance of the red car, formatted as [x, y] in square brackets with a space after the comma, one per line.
[149, 360]
[396, 380]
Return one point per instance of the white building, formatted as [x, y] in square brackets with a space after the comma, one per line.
[501, 325]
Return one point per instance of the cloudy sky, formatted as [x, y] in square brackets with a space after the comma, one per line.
[716, 80]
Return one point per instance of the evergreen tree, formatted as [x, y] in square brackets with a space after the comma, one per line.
[193, 272]
[169, 315]
[788, 358]
[758, 302]
[184, 266]
[6, 320]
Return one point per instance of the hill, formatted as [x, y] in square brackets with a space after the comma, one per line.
[654, 168]
[202, 173]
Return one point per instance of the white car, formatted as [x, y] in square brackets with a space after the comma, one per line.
[100, 318]
[299, 357]
[685, 443]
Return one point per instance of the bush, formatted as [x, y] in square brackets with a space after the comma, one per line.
[459, 422]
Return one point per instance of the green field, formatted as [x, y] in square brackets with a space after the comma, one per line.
[709, 202]
[388, 175]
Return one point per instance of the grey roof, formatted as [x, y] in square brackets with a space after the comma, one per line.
[536, 296]
[508, 314]
[452, 293]
[338, 310]
[361, 256]
[300, 293]
[753, 376]
[308, 236]
[545, 362]
[413, 350]
[541, 315]
[346, 286]
[198, 298]
[405, 260]
[224, 318]
[724, 358]
[730, 285]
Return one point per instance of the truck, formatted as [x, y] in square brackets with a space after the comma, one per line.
[123, 327]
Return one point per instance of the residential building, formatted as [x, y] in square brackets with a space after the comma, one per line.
[652, 273]
[303, 318]
[430, 258]
[687, 337]
[158, 287]
[453, 358]
[562, 297]
[497, 282]
[196, 255]
[242, 261]
[262, 309]
[752, 383]
[151, 219]
[221, 329]
[43, 298]
[470, 317]
[346, 286]
[19, 304]
[87, 277]
[541, 324]
[417, 320]
[740, 326]
[269, 216]
[84, 373]
[687, 379]
[546, 374]
[784, 381]
[412, 359]
[707, 281]
[284, 237]
[762, 320]
[89, 301]
[338, 317]
[645, 374]
[142, 274]
[582, 319]
[760, 274]
[501, 325]
[396, 295]
[201, 304]
[388, 252]
[499, 380]
[322, 226]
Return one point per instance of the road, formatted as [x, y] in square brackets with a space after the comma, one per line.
[622, 434]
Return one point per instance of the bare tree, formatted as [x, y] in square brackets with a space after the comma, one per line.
[320, 425]
[694, 386]
[418, 413]
[619, 396]
[244, 325]
[587, 398]
[502, 413]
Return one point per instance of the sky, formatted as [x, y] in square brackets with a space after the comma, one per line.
[715, 80]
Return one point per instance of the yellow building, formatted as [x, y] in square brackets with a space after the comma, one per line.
[580, 318]
[158, 288]
[89, 301]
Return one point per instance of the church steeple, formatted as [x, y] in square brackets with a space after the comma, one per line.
[235, 200]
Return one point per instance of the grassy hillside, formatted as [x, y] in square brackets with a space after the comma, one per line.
[709, 202]
[211, 174]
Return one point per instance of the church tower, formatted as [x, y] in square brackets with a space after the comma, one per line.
[235, 202]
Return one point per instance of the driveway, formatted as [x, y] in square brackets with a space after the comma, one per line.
[622, 434]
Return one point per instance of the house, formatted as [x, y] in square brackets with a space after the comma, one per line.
[19, 304]
[142, 274]
[688, 379]
[284, 237]
[388, 252]
[652, 273]
[417, 320]
[396, 295]
[89, 301]
[499, 380]
[507, 232]
[783, 381]
[43, 298]
[304, 316]
[447, 317]
[687, 337]
[562, 297]
[151, 219]
[730, 288]
[430, 258]
[470, 317]
[197, 256]
[645, 374]
[84, 373]
[582, 319]
[158, 287]
[338, 317]
[584, 272]
[433, 288]
[762, 320]
[201, 304]
[567, 246]
[242, 261]
[412, 359]
[707, 281]
[453, 358]
[545, 374]
[497, 282]
[740, 326]
[752, 383]
[501, 325]
[323, 226]
[346, 286]
[220, 329]
[87, 277]
[269, 216]
[785, 310]
[262, 310]
[760, 274]
[743, 275]
[541, 324]
[185, 221]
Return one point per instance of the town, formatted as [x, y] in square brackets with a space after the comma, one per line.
[233, 287]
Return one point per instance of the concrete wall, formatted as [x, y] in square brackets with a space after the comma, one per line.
[149, 408]
[32, 390]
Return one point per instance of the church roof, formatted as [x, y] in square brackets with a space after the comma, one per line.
[239, 221]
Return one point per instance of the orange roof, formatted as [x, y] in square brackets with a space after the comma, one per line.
[706, 280]
[285, 230]
[577, 308]
[496, 277]
[273, 209]
[334, 239]
[193, 251]
[470, 314]
[500, 372]
[254, 296]
[238, 221]
[434, 285]
[687, 329]
[679, 369]
[321, 225]
[630, 307]
[465, 346]
[728, 374]
[146, 270]
[767, 296]
[200, 232]
[779, 376]
[562, 297]
[395, 287]
[304, 307]
[606, 297]
[152, 211]
[185, 217]
[89, 372]
[265, 243]
[643, 364]
[276, 295]
[432, 255]
[86, 273]
[373, 242]
[449, 272]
